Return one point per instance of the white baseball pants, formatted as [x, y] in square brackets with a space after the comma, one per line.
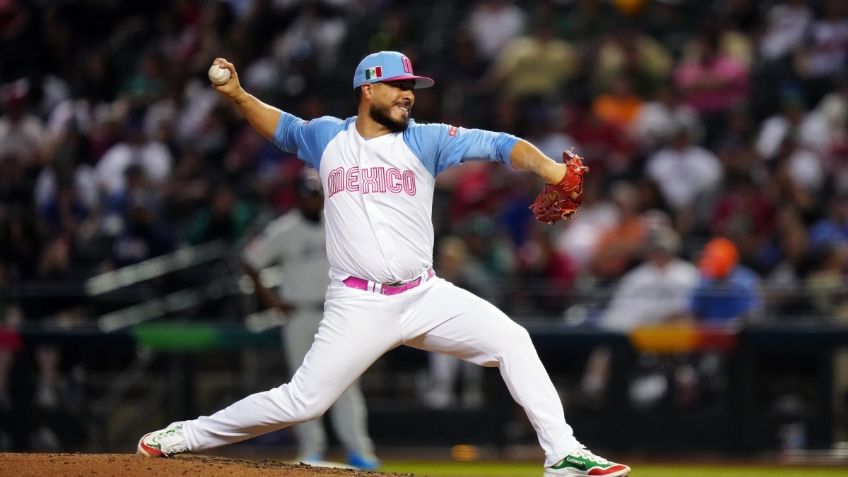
[359, 326]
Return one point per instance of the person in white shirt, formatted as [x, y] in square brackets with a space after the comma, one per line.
[656, 291]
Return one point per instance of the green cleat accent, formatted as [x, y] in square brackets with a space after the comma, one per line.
[582, 462]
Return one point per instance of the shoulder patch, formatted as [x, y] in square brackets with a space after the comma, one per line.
[452, 131]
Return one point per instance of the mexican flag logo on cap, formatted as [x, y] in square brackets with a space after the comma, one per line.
[375, 72]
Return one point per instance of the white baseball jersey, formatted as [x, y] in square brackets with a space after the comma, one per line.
[379, 192]
[298, 246]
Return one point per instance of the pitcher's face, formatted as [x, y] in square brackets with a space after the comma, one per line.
[391, 104]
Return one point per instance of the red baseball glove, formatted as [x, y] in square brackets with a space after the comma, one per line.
[561, 200]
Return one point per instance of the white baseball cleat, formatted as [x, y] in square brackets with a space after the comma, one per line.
[582, 462]
[164, 442]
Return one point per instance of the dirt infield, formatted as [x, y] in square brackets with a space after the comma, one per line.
[131, 465]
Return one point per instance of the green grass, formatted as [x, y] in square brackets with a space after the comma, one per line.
[511, 469]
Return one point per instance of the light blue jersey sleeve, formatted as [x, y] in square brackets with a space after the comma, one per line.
[307, 139]
[440, 146]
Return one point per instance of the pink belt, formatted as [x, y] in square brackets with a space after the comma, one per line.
[386, 288]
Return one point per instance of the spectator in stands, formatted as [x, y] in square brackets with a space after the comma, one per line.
[225, 218]
[148, 83]
[658, 119]
[21, 132]
[832, 230]
[654, 292]
[619, 105]
[797, 175]
[786, 24]
[619, 247]
[316, 32]
[806, 165]
[548, 274]
[66, 211]
[712, 83]
[118, 204]
[626, 51]
[743, 211]
[493, 23]
[587, 20]
[143, 235]
[536, 66]
[728, 293]
[808, 135]
[152, 156]
[488, 247]
[822, 58]
[685, 173]
[731, 42]
[824, 131]
[69, 164]
[186, 188]
[603, 146]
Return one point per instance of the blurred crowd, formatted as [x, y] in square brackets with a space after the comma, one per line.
[716, 134]
[703, 119]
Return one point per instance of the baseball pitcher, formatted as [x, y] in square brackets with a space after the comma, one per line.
[378, 170]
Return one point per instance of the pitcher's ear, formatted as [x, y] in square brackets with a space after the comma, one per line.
[367, 90]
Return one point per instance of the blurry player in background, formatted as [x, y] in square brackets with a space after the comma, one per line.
[296, 243]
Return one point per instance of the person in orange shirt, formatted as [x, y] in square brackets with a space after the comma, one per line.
[620, 105]
[618, 249]
[729, 293]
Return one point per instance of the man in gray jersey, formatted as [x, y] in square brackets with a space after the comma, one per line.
[296, 242]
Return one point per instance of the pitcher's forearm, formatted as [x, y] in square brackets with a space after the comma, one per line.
[527, 157]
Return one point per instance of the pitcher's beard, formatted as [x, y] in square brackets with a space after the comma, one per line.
[383, 117]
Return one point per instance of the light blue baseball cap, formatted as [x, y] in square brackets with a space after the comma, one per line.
[387, 66]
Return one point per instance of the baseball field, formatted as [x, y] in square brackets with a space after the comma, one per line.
[130, 465]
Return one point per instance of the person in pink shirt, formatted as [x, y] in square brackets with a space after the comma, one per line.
[712, 83]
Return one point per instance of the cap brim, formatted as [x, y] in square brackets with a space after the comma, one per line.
[420, 81]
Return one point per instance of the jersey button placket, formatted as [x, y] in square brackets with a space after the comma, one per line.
[377, 220]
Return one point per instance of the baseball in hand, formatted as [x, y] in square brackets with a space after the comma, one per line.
[218, 75]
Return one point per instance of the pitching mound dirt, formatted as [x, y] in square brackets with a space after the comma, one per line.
[131, 465]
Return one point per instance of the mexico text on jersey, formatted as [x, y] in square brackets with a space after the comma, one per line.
[370, 180]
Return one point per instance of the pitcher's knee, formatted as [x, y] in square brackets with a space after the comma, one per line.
[517, 339]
